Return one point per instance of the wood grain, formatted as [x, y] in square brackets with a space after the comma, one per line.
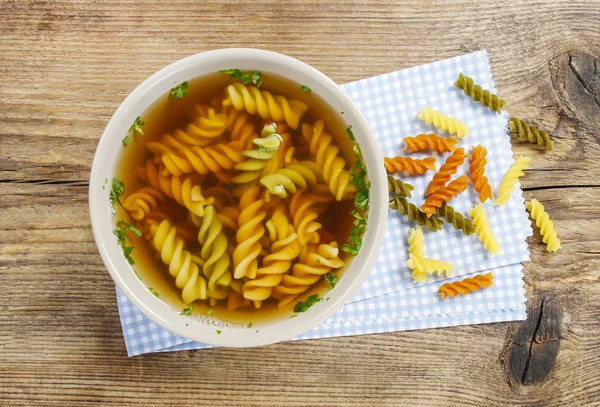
[66, 65]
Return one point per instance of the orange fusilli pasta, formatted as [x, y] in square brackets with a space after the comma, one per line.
[412, 166]
[477, 170]
[449, 168]
[442, 195]
[434, 142]
[466, 286]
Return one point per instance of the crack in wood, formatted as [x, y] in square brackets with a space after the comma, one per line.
[558, 187]
[584, 82]
[78, 183]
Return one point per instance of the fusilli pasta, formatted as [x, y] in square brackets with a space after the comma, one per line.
[493, 102]
[434, 142]
[446, 193]
[424, 265]
[443, 122]
[142, 202]
[544, 223]
[304, 217]
[263, 103]
[507, 186]
[412, 166]
[249, 233]
[484, 230]
[416, 242]
[449, 168]
[530, 133]
[284, 248]
[414, 214]
[287, 179]
[466, 286]
[456, 219]
[477, 170]
[327, 156]
[181, 267]
[397, 187]
[314, 262]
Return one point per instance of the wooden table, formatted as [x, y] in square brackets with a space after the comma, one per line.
[66, 65]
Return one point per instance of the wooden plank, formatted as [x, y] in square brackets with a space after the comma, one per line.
[65, 66]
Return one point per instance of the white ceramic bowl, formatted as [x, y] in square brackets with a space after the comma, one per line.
[105, 163]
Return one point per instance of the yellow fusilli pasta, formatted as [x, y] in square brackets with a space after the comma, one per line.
[544, 223]
[249, 233]
[284, 248]
[287, 179]
[304, 217]
[423, 265]
[213, 250]
[142, 202]
[443, 122]
[507, 186]
[180, 262]
[206, 128]
[416, 242]
[239, 125]
[263, 103]
[327, 156]
[314, 262]
[484, 230]
[184, 190]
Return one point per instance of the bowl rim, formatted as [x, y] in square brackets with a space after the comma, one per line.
[122, 273]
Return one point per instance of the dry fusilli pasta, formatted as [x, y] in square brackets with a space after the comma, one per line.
[412, 166]
[477, 170]
[444, 194]
[414, 214]
[423, 265]
[443, 122]
[449, 168]
[544, 223]
[507, 186]
[466, 286]
[456, 219]
[530, 133]
[434, 142]
[416, 242]
[397, 187]
[493, 102]
[484, 230]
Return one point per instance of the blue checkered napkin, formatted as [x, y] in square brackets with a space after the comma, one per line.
[416, 308]
[390, 104]
[388, 300]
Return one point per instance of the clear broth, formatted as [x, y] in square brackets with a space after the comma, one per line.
[165, 115]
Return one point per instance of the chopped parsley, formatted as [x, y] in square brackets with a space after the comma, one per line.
[133, 229]
[117, 189]
[262, 150]
[341, 112]
[331, 279]
[358, 175]
[245, 76]
[137, 126]
[151, 289]
[125, 141]
[318, 261]
[219, 332]
[350, 133]
[121, 232]
[187, 311]
[179, 91]
[106, 180]
[310, 301]
[293, 316]
[210, 312]
[137, 275]
[305, 89]
[249, 324]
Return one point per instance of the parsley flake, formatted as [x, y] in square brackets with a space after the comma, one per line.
[137, 126]
[210, 312]
[318, 261]
[331, 279]
[249, 324]
[262, 150]
[117, 189]
[187, 311]
[219, 332]
[121, 232]
[310, 301]
[179, 91]
[293, 316]
[245, 76]
[132, 228]
[305, 89]
[350, 133]
[137, 275]
[151, 289]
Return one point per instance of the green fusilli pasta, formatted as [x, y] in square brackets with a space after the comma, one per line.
[530, 133]
[456, 219]
[485, 97]
[397, 187]
[414, 214]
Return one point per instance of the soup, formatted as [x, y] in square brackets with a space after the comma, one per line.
[247, 202]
